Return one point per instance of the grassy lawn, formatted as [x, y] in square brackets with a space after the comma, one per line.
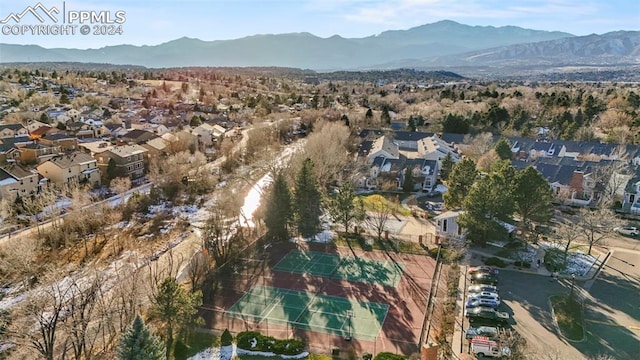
[358, 241]
[195, 343]
[568, 313]
[376, 202]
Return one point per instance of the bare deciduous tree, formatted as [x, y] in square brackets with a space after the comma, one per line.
[379, 212]
[38, 320]
[476, 146]
[222, 235]
[80, 325]
[327, 147]
[567, 233]
[19, 257]
[120, 186]
[596, 225]
[198, 268]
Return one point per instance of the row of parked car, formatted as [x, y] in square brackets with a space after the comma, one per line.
[482, 310]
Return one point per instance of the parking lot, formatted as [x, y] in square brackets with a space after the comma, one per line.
[612, 324]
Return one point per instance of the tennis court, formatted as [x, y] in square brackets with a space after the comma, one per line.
[345, 268]
[311, 311]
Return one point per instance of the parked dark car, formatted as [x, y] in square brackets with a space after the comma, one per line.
[483, 269]
[474, 289]
[484, 278]
[487, 315]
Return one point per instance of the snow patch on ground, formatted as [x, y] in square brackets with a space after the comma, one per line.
[529, 255]
[323, 237]
[578, 263]
[231, 351]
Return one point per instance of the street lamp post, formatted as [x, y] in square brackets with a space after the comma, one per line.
[349, 316]
[573, 283]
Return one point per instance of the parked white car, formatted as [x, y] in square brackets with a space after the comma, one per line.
[485, 296]
[627, 230]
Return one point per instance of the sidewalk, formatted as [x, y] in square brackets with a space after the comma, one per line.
[476, 259]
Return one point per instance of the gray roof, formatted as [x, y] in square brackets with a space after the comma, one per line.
[410, 135]
[13, 127]
[453, 138]
[16, 171]
[66, 161]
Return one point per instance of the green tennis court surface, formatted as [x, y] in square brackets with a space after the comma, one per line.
[309, 311]
[346, 268]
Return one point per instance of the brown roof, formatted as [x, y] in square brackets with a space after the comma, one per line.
[41, 130]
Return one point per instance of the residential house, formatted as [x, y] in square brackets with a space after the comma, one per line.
[383, 147]
[631, 200]
[40, 132]
[73, 114]
[8, 154]
[37, 153]
[94, 147]
[208, 134]
[572, 182]
[447, 227]
[68, 143]
[138, 137]
[71, 168]
[116, 130]
[408, 140]
[16, 181]
[434, 148]
[128, 160]
[13, 130]
[34, 124]
[156, 147]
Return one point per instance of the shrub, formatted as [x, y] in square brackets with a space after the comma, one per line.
[446, 255]
[244, 338]
[494, 261]
[319, 357]
[226, 339]
[554, 259]
[389, 356]
[524, 264]
[269, 343]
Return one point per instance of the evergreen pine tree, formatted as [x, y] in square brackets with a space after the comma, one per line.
[447, 165]
[345, 207]
[461, 178]
[307, 201]
[369, 114]
[408, 183]
[138, 343]
[278, 212]
[503, 149]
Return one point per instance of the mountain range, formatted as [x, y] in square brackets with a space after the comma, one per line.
[439, 45]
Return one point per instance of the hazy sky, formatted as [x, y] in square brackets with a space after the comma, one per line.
[155, 22]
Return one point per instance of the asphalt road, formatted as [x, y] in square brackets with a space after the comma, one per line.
[612, 311]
